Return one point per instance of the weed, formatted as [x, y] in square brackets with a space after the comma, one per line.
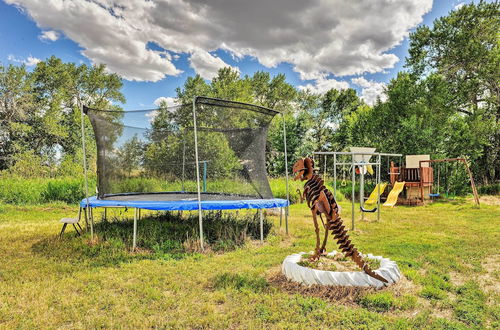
[378, 302]
[470, 304]
[433, 293]
[239, 282]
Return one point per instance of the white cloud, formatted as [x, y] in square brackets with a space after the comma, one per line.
[49, 35]
[370, 90]
[316, 37]
[323, 85]
[459, 5]
[170, 101]
[30, 61]
[206, 64]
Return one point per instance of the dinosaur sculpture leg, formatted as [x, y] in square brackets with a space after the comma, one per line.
[316, 254]
[322, 250]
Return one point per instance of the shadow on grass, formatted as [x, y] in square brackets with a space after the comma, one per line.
[166, 236]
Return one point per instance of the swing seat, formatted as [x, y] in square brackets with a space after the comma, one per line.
[367, 210]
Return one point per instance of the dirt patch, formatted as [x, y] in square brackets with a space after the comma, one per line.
[343, 295]
[337, 294]
[337, 263]
[489, 280]
[487, 200]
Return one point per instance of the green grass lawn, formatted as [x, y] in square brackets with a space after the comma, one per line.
[448, 252]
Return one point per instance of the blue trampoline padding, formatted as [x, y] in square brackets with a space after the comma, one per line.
[188, 205]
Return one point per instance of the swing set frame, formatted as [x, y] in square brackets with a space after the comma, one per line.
[444, 160]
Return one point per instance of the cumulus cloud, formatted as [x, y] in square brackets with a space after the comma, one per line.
[30, 61]
[322, 85]
[316, 37]
[49, 35]
[169, 101]
[207, 65]
[370, 90]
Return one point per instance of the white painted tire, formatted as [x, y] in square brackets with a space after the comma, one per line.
[294, 272]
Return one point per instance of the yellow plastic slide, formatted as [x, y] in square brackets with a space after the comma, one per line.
[373, 196]
[392, 199]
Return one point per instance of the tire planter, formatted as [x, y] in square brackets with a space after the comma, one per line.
[294, 272]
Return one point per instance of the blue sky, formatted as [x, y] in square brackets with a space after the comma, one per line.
[23, 24]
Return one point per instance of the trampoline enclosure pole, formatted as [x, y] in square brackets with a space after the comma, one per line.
[204, 176]
[200, 215]
[286, 174]
[84, 149]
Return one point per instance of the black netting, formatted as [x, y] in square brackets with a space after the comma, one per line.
[149, 151]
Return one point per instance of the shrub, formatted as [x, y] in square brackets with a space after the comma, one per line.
[66, 190]
[16, 190]
[490, 189]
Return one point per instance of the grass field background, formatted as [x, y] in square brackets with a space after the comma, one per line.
[448, 253]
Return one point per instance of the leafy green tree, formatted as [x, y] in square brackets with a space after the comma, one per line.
[130, 155]
[464, 50]
[40, 110]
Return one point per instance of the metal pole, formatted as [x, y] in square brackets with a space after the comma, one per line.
[353, 193]
[200, 215]
[183, 163]
[286, 174]
[324, 170]
[261, 226]
[378, 184]
[85, 174]
[134, 239]
[204, 176]
[281, 216]
[362, 190]
[335, 176]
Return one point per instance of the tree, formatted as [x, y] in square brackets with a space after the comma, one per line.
[464, 50]
[40, 110]
[130, 155]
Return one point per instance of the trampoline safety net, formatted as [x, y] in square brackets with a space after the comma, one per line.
[153, 151]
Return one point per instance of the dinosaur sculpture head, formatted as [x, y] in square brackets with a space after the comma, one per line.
[303, 169]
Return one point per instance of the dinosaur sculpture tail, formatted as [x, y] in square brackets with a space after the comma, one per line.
[340, 234]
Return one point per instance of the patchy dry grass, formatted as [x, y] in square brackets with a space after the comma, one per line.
[448, 253]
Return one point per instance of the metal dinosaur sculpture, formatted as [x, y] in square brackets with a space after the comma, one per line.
[301, 196]
[322, 202]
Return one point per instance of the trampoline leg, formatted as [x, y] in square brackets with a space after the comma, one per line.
[286, 219]
[86, 218]
[134, 239]
[261, 213]
[105, 213]
[281, 216]
[91, 214]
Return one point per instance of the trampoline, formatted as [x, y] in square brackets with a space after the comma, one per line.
[183, 201]
[208, 155]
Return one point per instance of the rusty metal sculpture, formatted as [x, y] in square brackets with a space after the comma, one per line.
[301, 196]
[322, 202]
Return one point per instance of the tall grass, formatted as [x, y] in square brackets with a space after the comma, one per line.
[167, 235]
[14, 190]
